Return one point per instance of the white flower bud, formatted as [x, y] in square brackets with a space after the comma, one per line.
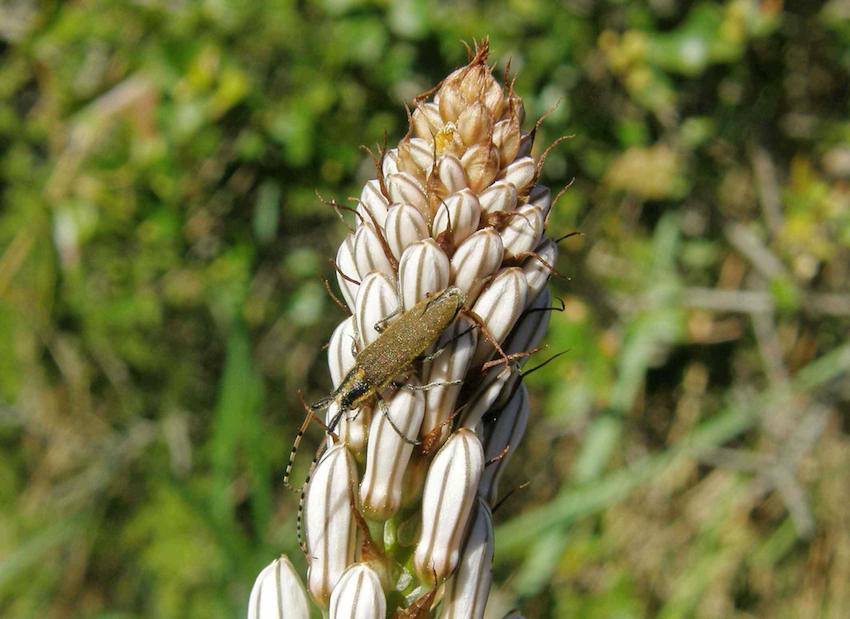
[526, 143]
[372, 204]
[376, 300]
[449, 365]
[341, 350]
[388, 453]
[500, 197]
[369, 254]
[499, 306]
[390, 163]
[523, 232]
[358, 595]
[537, 269]
[541, 196]
[530, 328]
[346, 265]
[404, 225]
[424, 268]
[329, 526]
[506, 431]
[497, 381]
[451, 173]
[447, 499]
[427, 121]
[521, 173]
[460, 214]
[468, 589]
[406, 189]
[477, 258]
[278, 593]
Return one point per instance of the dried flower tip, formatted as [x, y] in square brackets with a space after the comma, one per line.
[468, 589]
[389, 452]
[278, 592]
[423, 269]
[447, 500]
[358, 595]
[329, 526]
[501, 438]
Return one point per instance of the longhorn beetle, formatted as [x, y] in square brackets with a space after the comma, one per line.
[391, 354]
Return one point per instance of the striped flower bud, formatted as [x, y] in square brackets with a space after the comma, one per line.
[520, 173]
[404, 226]
[530, 328]
[501, 438]
[467, 590]
[376, 300]
[346, 274]
[497, 381]
[372, 206]
[499, 306]
[451, 174]
[500, 197]
[447, 499]
[358, 595]
[329, 524]
[423, 269]
[395, 427]
[278, 593]
[523, 232]
[406, 189]
[452, 356]
[475, 260]
[538, 268]
[457, 217]
[369, 253]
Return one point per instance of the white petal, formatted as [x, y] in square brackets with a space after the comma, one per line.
[520, 173]
[406, 189]
[278, 593]
[369, 252]
[497, 384]
[531, 327]
[358, 595]
[347, 274]
[372, 206]
[468, 589]
[500, 197]
[523, 232]
[505, 431]
[541, 196]
[390, 164]
[341, 350]
[537, 269]
[499, 306]
[451, 173]
[477, 258]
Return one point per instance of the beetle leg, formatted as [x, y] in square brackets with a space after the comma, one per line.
[383, 406]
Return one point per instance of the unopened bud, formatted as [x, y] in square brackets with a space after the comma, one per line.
[468, 589]
[406, 189]
[451, 173]
[498, 382]
[474, 124]
[423, 269]
[541, 196]
[447, 500]
[458, 343]
[278, 593]
[501, 438]
[358, 595]
[346, 274]
[376, 300]
[459, 215]
[523, 232]
[372, 206]
[500, 197]
[521, 173]
[389, 452]
[539, 267]
[506, 137]
[427, 121]
[329, 526]
[499, 306]
[369, 254]
[530, 328]
[405, 225]
[477, 258]
[390, 163]
[415, 156]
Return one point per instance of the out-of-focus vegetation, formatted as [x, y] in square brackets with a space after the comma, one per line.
[161, 303]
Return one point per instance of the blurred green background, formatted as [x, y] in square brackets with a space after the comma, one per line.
[161, 302]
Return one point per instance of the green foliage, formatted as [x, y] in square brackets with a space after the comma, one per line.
[162, 248]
